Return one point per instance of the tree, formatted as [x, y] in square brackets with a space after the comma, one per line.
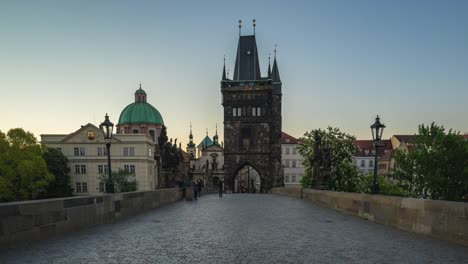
[57, 164]
[124, 181]
[344, 175]
[436, 165]
[23, 171]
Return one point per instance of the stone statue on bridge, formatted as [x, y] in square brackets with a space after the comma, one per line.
[321, 164]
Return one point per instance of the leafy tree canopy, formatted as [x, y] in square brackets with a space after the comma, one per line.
[436, 165]
[344, 175]
[57, 164]
[23, 171]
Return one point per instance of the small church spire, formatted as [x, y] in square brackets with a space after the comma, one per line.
[190, 135]
[224, 69]
[269, 68]
[275, 72]
[215, 137]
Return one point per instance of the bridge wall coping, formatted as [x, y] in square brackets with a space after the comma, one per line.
[440, 219]
[27, 221]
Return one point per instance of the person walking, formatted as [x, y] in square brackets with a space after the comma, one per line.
[220, 188]
[195, 190]
[200, 182]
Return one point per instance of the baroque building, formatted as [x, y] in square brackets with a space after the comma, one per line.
[134, 148]
[206, 160]
[252, 118]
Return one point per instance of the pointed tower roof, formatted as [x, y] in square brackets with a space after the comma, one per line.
[191, 144]
[275, 72]
[216, 137]
[224, 69]
[269, 68]
[247, 66]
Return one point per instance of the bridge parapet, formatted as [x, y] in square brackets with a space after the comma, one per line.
[440, 219]
[27, 221]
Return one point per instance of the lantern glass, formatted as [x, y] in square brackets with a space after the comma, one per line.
[107, 128]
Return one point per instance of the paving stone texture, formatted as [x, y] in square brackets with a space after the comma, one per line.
[240, 228]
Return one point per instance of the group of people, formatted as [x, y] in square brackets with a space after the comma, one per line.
[198, 186]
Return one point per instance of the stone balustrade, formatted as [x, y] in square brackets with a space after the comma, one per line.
[440, 219]
[27, 221]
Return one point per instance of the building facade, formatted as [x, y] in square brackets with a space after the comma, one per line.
[133, 149]
[86, 152]
[252, 118]
[206, 160]
[292, 161]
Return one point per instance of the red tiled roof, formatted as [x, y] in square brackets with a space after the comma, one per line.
[288, 139]
[366, 148]
[465, 136]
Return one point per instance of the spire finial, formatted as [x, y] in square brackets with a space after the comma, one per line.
[140, 84]
[275, 50]
[216, 129]
[190, 127]
[207, 131]
[240, 25]
[254, 24]
[269, 67]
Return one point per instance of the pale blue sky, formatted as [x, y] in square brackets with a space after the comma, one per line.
[66, 63]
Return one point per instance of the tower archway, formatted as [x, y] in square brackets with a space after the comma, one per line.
[247, 179]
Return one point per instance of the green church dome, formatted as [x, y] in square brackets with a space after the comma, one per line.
[140, 111]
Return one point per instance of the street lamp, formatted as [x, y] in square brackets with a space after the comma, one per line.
[107, 126]
[377, 130]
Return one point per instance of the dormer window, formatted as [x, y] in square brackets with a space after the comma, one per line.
[248, 52]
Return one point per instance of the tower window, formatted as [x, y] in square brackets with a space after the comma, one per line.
[236, 111]
[256, 111]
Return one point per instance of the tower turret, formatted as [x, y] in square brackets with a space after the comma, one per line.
[191, 149]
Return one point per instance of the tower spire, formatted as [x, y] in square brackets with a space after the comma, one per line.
[275, 72]
[224, 68]
[269, 68]
[215, 137]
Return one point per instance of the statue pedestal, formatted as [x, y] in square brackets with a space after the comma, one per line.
[321, 181]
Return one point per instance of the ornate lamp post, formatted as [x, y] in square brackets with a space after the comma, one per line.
[107, 126]
[377, 130]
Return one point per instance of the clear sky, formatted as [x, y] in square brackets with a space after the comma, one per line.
[66, 63]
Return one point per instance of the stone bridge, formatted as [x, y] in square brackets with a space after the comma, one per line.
[239, 228]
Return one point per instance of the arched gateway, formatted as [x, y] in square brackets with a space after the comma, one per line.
[252, 118]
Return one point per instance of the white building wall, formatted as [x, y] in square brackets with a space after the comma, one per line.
[364, 164]
[293, 167]
[141, 158]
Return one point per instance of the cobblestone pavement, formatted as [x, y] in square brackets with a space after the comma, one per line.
[240, 228]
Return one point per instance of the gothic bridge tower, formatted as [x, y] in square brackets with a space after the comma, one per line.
[252, 117]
